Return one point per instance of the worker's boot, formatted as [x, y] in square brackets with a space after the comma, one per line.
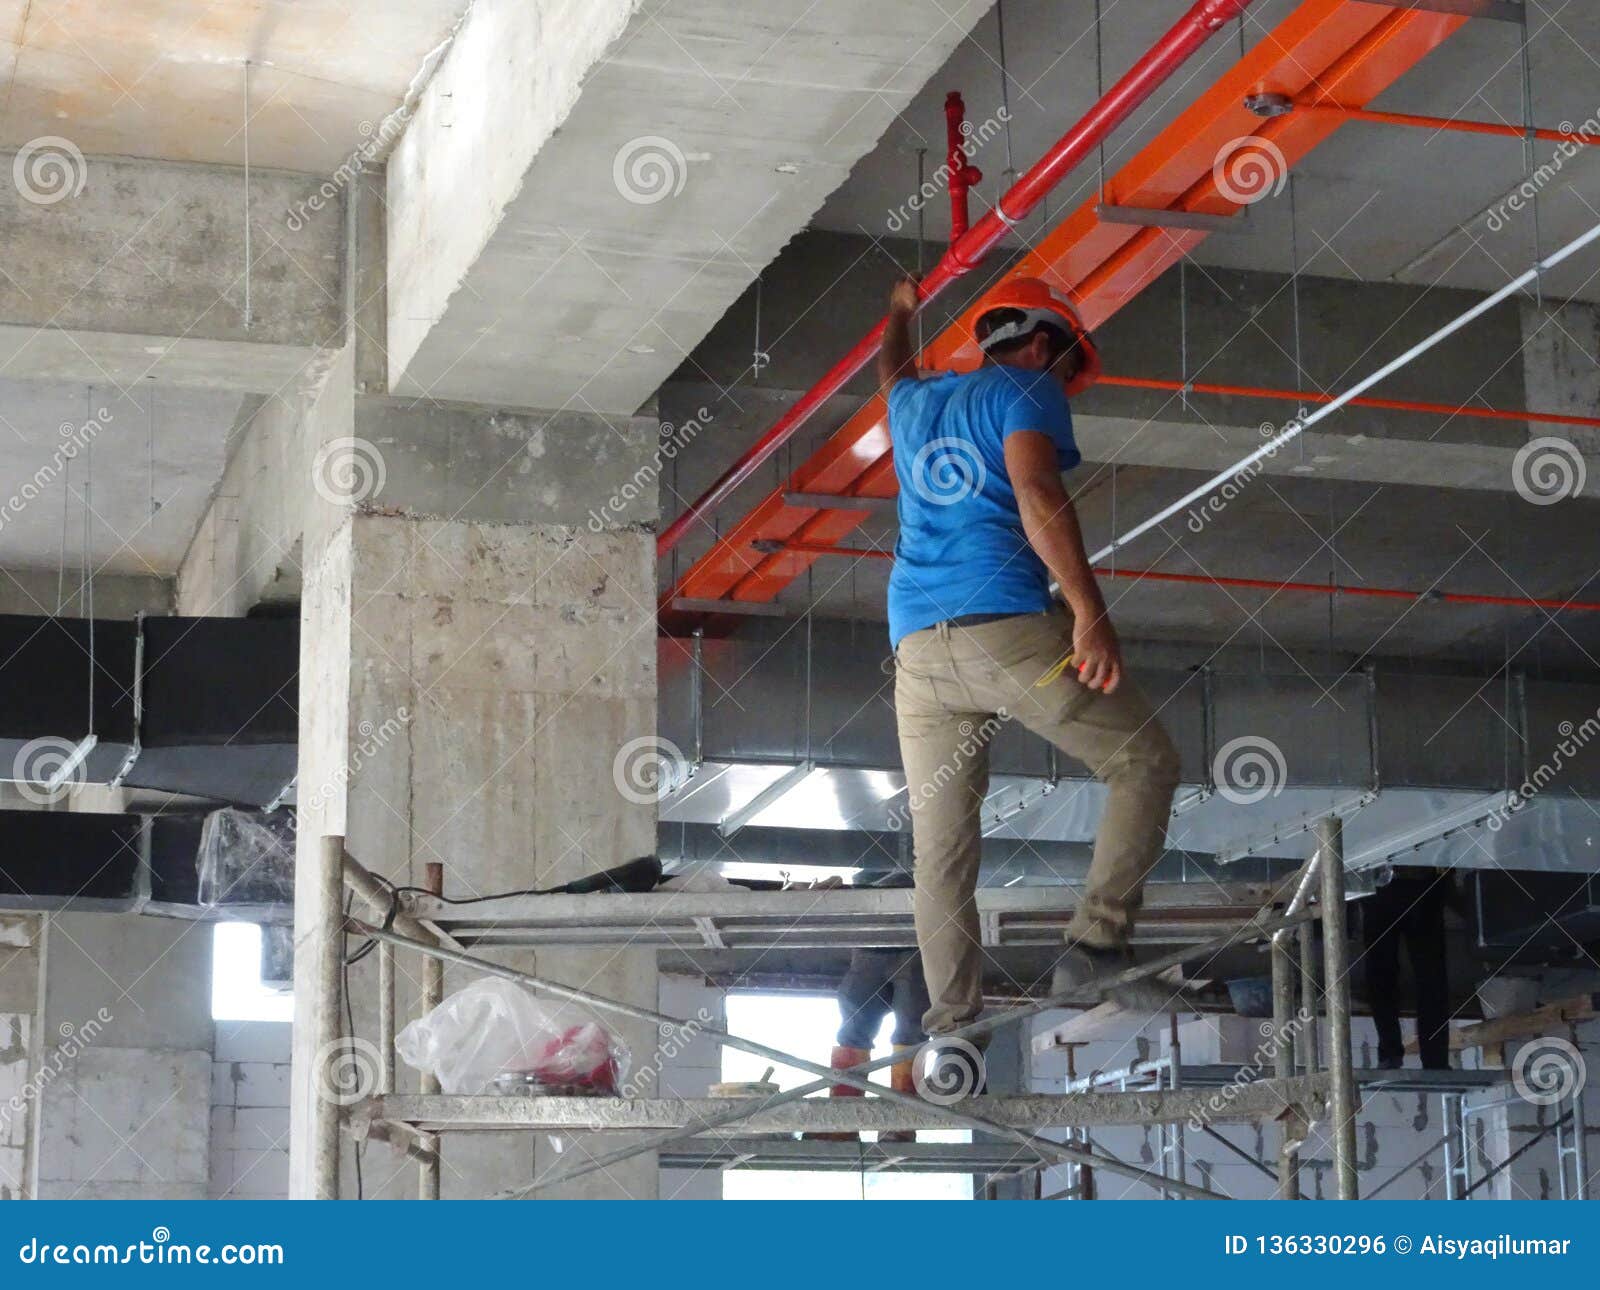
[902, 1080]
[843, 1058]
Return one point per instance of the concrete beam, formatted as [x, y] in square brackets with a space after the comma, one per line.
[134, 269]
[564, 236]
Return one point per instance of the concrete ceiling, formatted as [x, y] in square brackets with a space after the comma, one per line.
[165, 78]
[130, 531]
[1374, 203]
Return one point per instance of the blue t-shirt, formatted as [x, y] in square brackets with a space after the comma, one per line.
[961, 548]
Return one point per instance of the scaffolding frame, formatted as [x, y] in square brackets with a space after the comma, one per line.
[413, 1124]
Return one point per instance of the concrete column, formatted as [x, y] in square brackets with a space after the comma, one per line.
[478, 642]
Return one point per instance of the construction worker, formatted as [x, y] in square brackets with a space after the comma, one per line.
[985, 522]
[880, 982]
[1409, 907]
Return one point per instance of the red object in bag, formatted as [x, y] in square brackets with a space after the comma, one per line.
[581, 1055]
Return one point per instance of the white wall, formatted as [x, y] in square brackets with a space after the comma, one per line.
[250, 1111]
[127, 1036]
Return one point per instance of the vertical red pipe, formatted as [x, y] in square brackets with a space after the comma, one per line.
[1139, 82]
[961, 175]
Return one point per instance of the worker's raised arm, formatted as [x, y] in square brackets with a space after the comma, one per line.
[895, 358]
[1050, 522]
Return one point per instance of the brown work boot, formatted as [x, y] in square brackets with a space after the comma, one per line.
[842, 1059]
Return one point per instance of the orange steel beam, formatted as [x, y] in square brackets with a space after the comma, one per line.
[1334, 51]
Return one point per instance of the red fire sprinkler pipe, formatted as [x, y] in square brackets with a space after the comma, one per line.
[966, 252]
[962, 174]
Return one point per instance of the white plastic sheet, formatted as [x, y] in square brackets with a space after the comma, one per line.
[493, 1027]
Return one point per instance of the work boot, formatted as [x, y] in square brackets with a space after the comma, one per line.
[901, 1080]
[1084, 965]
[842, 1059]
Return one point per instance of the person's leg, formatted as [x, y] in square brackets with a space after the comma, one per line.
[910, 1002]
[1382, 961]
[1117, 736]
[863, 998]
[945, 751]
[1425, 947]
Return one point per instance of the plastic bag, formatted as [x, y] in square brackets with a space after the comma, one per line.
[246, 858]
[493, 1027]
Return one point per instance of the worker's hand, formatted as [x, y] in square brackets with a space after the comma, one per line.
[903, 297]
[1097, 653]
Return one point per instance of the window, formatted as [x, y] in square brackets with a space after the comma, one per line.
[805, 1025]
[237, 991]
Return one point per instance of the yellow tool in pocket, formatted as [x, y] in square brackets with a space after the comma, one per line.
[1054, 673]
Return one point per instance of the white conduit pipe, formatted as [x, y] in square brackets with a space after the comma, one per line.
[1295, 427]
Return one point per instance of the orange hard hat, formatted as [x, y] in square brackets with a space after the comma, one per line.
[1038, 302]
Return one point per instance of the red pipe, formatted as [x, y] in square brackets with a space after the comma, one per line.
[1120, 101]
[1365, 401]
[962, 175]
[1258, 584]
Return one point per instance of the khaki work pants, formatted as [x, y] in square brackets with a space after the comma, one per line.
[955, 687]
